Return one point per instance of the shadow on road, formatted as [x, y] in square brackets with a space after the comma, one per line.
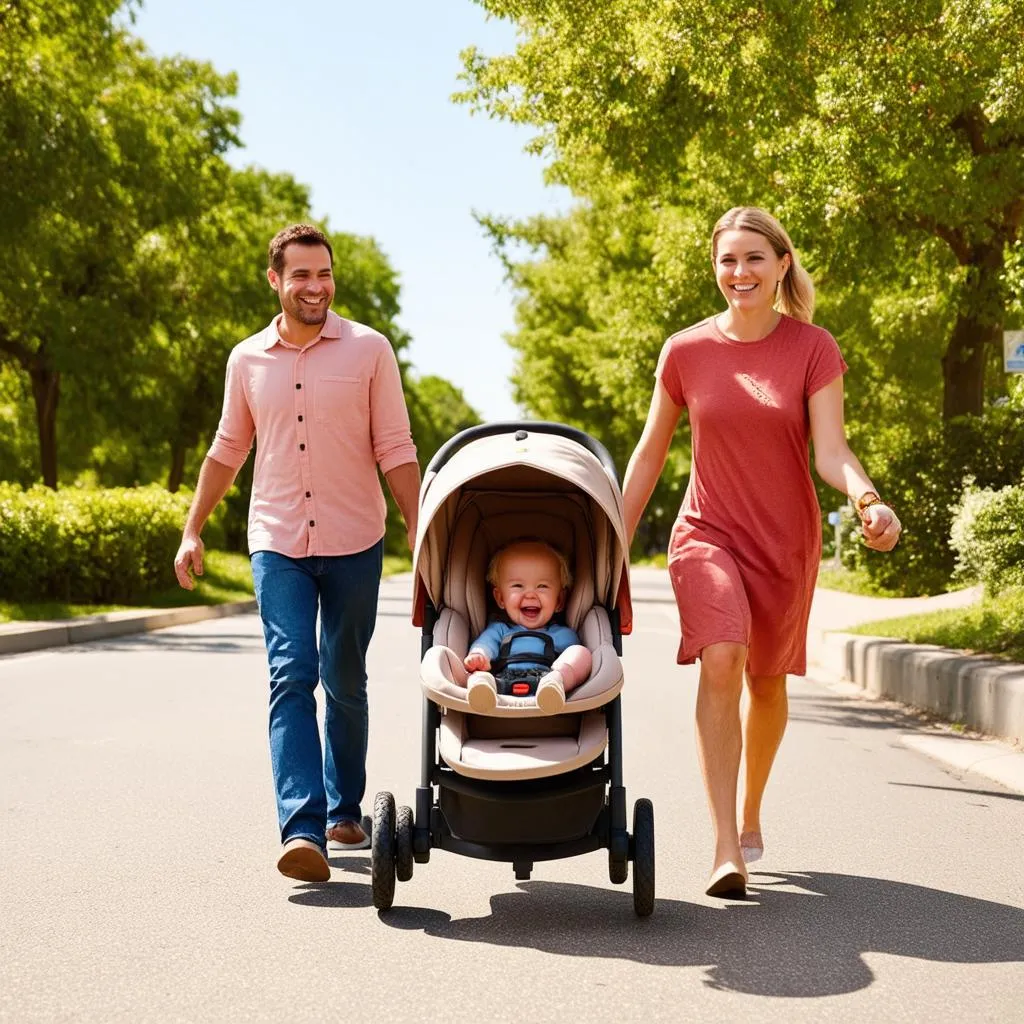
[340, 895]
[956, 789]
[178, 642]
[842, 711]
[800, 935]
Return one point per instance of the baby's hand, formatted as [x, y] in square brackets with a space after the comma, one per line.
[477, 661]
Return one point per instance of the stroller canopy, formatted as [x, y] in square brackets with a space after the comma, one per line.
[500, 482]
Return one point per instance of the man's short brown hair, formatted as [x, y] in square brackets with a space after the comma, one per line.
[296, 234]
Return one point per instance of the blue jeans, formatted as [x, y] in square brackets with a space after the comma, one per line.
[317, 790]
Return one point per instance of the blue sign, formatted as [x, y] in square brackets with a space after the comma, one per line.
[1013, 351]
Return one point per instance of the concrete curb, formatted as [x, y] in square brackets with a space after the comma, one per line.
[984, 694]
[20, 637]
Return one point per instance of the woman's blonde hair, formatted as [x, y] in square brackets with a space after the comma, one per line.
[795, 296]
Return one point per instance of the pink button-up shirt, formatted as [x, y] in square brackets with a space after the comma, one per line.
[325, 417]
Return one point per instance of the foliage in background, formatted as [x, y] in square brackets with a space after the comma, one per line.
[924, 478]
[889, 140]
[988, 537]
[87, 545]
[136, 259]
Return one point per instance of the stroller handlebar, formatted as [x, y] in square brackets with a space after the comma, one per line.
[464, 437]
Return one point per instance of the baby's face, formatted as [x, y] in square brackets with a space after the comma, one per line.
[529, 587]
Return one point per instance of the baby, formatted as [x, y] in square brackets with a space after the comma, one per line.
[531, 582]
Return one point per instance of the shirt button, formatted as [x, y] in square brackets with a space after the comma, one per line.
[302, 447]
[300, 419]
[312, 522]
[309, 494]
[298, 387]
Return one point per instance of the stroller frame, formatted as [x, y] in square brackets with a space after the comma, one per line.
[585, 809]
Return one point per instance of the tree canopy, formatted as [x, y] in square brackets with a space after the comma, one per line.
[889, 140]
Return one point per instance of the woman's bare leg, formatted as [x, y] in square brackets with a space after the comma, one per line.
[765, 723]
[719, 743]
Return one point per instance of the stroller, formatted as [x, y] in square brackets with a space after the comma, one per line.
[514, 784]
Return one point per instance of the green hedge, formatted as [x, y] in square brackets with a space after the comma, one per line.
[924, 477]
[988, 537]
[88, 545]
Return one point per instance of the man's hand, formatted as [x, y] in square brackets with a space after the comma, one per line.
[880, 527]
[189, 557]
[410, 534]
[477, 661]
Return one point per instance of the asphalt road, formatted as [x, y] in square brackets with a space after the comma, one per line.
[138, 841]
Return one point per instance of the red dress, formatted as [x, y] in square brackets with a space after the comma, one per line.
[745, 550]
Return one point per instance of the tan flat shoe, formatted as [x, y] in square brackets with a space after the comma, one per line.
[729, 882]
[751, 846]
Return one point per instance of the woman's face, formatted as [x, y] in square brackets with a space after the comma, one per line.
[747, 270]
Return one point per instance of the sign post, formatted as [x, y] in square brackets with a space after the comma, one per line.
[835, 519]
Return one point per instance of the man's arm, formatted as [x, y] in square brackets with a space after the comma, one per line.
[404, 484]
[214, 480]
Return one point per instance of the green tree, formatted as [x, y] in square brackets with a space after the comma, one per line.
[893, 137]
[134, 143]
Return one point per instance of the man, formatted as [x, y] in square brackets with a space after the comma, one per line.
[323, 397]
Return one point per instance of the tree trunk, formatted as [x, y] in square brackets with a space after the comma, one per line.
[177, 473]
[979, 325]
[46, 392]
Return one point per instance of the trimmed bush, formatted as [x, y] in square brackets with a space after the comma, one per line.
[924, 478]
[88, 545]
[988, 537]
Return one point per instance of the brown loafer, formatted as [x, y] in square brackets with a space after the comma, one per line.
[304, 861]
[347, 835]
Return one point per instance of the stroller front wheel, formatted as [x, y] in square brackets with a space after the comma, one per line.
[643, 857]
[382, 851]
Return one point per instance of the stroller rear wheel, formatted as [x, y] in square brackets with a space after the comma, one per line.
[403, 844]
[618, 868]
[382, 851]
[643, 857]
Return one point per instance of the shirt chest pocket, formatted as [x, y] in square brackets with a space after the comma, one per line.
[337, 397]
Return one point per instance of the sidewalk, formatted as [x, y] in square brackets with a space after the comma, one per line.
[21, 637]
[983, 693]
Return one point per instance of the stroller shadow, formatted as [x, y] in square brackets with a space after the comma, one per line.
[799, 935]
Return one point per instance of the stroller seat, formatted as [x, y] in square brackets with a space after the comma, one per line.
[483, 522]
[531, 749]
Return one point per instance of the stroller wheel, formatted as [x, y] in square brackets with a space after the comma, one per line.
[382, 851]
[403, 844]
[618, 868]
[643, 858]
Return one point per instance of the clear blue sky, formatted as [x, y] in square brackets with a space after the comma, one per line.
[352, 97]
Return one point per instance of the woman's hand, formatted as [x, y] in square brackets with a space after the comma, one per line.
[880, 527]
[477, 661]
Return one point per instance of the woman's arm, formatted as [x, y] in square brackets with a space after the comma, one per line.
[841, 469]
[648, 458]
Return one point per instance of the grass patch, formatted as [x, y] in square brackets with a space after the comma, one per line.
[656, 561]
[851, 581]
[394, 564]
[227, 577]
[994, 626]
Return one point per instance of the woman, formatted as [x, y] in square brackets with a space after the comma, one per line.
[759, 381]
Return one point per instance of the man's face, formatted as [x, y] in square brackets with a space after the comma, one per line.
[305, 285]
